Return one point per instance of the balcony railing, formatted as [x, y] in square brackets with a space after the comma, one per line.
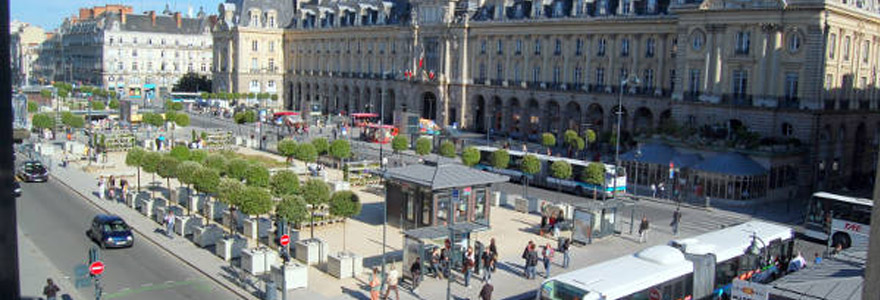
[788, 102]
[737, 99]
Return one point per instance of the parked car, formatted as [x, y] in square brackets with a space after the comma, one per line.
[110, 232]
[33, 171]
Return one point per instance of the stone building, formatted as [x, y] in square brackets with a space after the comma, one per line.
[248, 47]
[25, 40]
[137, 55]
[796, 78]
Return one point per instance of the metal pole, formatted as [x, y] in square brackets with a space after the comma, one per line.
[449, 219]
[384, 203]
[617, 140]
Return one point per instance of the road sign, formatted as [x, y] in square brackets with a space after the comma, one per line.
[455, 195]
[285, 239]
[654, 294]
[96, 268]
[671, 170]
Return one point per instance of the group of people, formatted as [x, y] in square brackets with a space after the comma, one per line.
[550, 222]
[107, 189]
[532, 257]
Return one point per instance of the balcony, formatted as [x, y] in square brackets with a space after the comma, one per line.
[691, 97]
[741, 52]
[788, 102]
[497, 82]
[864, 104]
[737, 99]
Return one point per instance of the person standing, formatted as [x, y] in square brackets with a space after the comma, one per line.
[468, 266]
[101, 186]
[391, 281]
[375, 284]
[525, 257]
[486, 291]
[169, 223]
[435, 263]
[51, 290]
[488, 261]
[494, 250]
[547, 255]
[653, 190]
[643, 230]
[566, 254]
[112, 189]
[676, 220]
[416, 271]
[532, 262]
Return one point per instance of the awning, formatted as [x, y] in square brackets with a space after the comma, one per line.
[149, 86]
[731, 164]
[367, 6]
[365, 115]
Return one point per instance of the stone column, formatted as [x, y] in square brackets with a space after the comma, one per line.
[775, 43]
[763, 53]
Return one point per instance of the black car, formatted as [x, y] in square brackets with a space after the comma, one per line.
[110, 232]
[33, 171]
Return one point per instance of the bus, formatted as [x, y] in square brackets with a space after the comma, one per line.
[702, 267]
[838, 220]
[185, 97]
[543, 179]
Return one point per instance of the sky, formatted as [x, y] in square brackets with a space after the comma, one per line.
[49, 14]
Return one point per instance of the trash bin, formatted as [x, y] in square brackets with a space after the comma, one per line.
[271, 291]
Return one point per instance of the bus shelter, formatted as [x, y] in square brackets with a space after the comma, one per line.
[421, 242]
[595, 219]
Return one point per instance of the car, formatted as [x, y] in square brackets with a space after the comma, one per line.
[33, 171]
[16, 188]
[110, 231]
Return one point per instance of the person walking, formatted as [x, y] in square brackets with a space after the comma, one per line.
[547, 255]
[435, 263]
[101, 187]
[486, 291]
[532, 262]
[676, 220]
[488, 260]
[169, 224]
[566, 254]
[416, 271]
[468, 266]
[653, 190]
[494, 250]
[391, 281]
[51, 290]
[643, 230]
[112, 190]
[525, 257]
[375, 284]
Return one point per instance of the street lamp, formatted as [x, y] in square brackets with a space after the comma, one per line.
[637, 165]
[634, 81]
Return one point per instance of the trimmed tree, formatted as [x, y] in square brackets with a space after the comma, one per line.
[237, 168]
[185, 173]
[340, 149]
[180, 153]
[257, 175]
[322, 146]
[206, 181]
[344, 204]
[561, 170]
[181, 119]
[216, 162]
[230, 191]
[150, 163]
[500, 159]
[198, 156]
[594, 174]
[114, 104]
[447, 149]
[306, 152]
[167, 169]
[287, 148]
[423, 146]
[399, 143]
[589, 137]
[32, 106]
[470, 156]
[284, 182]
[133, 159]
[548, 140]
[43, 121]
[257, 201]
[569, 138]
[316, 194]
[97, 105]
[530, 165]
[293, 209]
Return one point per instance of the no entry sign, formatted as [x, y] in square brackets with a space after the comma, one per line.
[96, 268]
[285, 239]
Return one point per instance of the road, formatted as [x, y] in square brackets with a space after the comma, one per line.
[56, 221]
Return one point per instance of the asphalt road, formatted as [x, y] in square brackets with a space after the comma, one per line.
[56, 221]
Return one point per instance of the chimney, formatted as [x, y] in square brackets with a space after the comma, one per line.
[177, 18]
[122, 16]
[152, 14]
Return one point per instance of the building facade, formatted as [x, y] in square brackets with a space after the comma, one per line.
[25, 41]
[791, 83]
[137, 55]
[248, 49]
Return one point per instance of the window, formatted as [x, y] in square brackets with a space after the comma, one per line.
[272, 21]
[519, 46]
[794, 42]
[189, 67]
[624, 74]
[557, 75]
[149, 66]
[499, 46]
[255, 45]
[578, 75]
[499, 71]
[624, 47]
[697, 40]
[111, 41]
[743, 39]
[271, 64]
[150, 41]
[120, 66]
[600, 76]
[787, 129]
[482, 71]
[558, 47]
[483, 47]
[694, 81]
[204, 67]
[579, 47]
[829, 81]
[271, 46]
[832, 45]
[866, 47]
[134, 53]
[271, 84]
[649, 47]
[649, 79]
[536, 74]
[740, 82]
[134, 66]
[135, 40]
[162, 53]
[601, 50]
[846, 44]
[791, 85]
[254, 65]
[517, 73]
[537, 46]
[255, 84]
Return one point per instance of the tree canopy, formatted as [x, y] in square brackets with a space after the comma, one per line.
[134, 156]
[257, 201]
[97, 105]
[560, 169]
[192, 83]
[206, 180]
[198, 155]
[470, 156]
[216, 162]
[447, 149]
[322, 146]
[548, 139]
[185, 172]
[287, 148]
[594, 174]
[257, 175]
[114, 104]
[150, 161]
[316, 192]
[500, 159]
[340, 149]
[424, 146]
[530, 164]
[244, 117]
[292, 208]
[399, 143]
[237, 168]
[43, 121]
[306, 152]
[230, 191]
[284, 182]
[72, 121]
[345, 204]
[167, 167]
[180, 152]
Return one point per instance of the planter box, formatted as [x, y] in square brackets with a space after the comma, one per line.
[341, 185]
[147, 207]
[186, 225]
[496, 198]
[258, 261]
[180, 224]
[230, 248]
[526, 205]
[205, 236]
[296, 276]
[345, 265]
[311, 251]
[256, 228]
[159, 214]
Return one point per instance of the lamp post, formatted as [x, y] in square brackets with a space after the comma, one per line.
[634, 81]
[637, 165]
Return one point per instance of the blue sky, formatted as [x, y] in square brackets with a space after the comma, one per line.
[50, 13]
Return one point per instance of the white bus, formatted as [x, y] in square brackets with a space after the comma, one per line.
[543, 179]
[694, 268]
[838, 220]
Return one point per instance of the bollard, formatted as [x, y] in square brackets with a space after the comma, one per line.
[270, 293]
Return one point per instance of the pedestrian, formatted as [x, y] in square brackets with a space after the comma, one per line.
[169, 224]
[676, 220]
[112, 189]
[435, 263]
[566, 254]
[467, 266]
[543, 223]
[375, 284]
[818, 258]
[525, 257]
[416, 271]
[488, 261]
[494, 250]
[101, 187]
[653, 190]
[547, 255]
[643, 230]
[486, 291]
[557, 224]
[51, 290]
[532, 262]
[123, 185]
[391, 281]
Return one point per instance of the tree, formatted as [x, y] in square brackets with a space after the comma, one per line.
[257, 201]
[244, 117]
[344, 204]
[548, 140]
[97, 105]
[237, 168]
[186, 171]
[306, 152]
[399, 143]
[470, 156]
[560, 169]
[287, 148]
[230, 191]
[176, 106]
[216, 162]
[72, 121]
[530, 165]
[167, 169]
[293, 209]
[570, 138]
[322, 146]
[447, 149]
[114, 104]
[423, 146]
[316, 194]
[192, 83]
[43, 121]
[206, 180]
[133, 159]
[45, 94]
[180, 152]
[181, 120]
[594, 174]
[257, 175]
[274, 97]
[32, 107]
[153, 119]
[150, 163]
[198, 156]
[340, 149]
[284, 182]
[500, 159]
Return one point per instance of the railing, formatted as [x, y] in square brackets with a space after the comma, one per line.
[737, 99]
[788, 102]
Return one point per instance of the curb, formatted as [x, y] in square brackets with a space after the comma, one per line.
[223, 284]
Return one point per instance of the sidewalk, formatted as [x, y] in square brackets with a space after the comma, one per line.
[34, 268]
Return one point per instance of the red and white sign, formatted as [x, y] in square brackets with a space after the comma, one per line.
[654, 294]
[96, 268]
[285, 239]
[852, 227]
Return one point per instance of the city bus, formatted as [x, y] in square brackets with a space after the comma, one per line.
[702, 267]
[543, 179]
[185, 97]
[838, 220]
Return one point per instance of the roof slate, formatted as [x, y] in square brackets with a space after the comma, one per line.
[443, 176]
